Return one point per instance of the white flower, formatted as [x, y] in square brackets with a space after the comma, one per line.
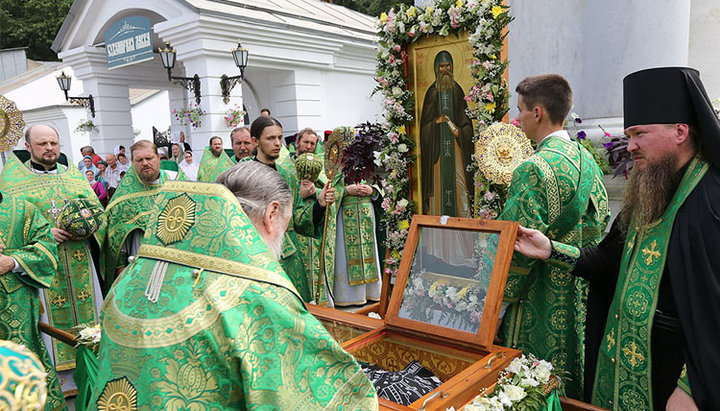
[543, 371]
[514, 392]
[515, 366]
[403, 203]
[397, 91]
[378, 158]
[529, 382]
[403, 148]
[451, 292]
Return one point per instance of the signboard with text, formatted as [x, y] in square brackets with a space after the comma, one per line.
[128, 41]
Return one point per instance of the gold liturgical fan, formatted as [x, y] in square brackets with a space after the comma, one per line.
[501, 148]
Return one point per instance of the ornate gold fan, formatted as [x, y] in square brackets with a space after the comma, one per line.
[334, 148]
[11, 124]
[501, 148]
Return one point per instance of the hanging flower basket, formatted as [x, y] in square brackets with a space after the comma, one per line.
[190, 115]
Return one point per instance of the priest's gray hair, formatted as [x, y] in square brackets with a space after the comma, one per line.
[256, 185]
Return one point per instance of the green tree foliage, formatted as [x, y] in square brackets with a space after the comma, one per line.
[32, 24]
[371, 7]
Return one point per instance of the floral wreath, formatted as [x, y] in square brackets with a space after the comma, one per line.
[485, 20]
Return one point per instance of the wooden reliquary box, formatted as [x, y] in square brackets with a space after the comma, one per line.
[443, 310]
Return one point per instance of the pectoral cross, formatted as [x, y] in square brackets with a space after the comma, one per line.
[635, 357]
[54, 211]
[651, 253]
[610, 339]
[446, 148]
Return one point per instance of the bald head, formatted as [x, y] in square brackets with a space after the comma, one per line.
[40, 129]
[43, 143]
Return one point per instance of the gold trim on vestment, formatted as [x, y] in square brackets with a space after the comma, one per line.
[553, 191]
[223, 294]
[219, 265]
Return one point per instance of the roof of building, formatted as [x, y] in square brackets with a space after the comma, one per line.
[300, 15]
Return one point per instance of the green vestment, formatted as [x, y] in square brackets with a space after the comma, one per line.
[129, 210]
[71, 298]
[27, 238]
[623, 374]
[550, 193]
[300, 223]
[211, 167]
[206, 319]
[358, 241]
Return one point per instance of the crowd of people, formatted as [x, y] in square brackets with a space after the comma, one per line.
[199, 272]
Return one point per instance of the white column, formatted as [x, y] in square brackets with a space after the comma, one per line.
[296, 99]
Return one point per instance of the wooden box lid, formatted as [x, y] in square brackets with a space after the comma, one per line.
[451, 278]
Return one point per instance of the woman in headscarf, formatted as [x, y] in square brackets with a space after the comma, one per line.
[189, 167]
[87, 164]
[97, 187]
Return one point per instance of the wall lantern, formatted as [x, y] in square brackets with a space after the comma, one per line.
[240, 55]
[64, 82]
[167, 57]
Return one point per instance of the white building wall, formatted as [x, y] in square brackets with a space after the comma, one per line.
[153, 111]
[705, 43]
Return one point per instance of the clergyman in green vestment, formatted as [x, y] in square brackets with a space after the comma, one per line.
[559, 191]
[28, 260]
[308, 213]
[74, 296]
[130, 209]
[352, 265]
[214, 161]
[205, 317]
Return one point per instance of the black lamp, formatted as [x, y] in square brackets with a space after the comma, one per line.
[64, 82]
[167, 57]
[240, 55]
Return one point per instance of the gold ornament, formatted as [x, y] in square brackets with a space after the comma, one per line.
[118, 395]
[22, 378]
[176, 219]
[501, 148]
[11, 124]
[334, 147]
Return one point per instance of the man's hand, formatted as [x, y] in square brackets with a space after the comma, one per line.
[327, 195]
[532, 243]
[59, 235]
[359, 190]
[442, 118]
[7, 264]
[680, 401]
[307, 189]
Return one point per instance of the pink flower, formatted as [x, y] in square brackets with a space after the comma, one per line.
[391, 59]
[397, 48]
[486, 65]
[515, 122]
[607, 135]
[394, 138]
[386, 204]
[411, 32]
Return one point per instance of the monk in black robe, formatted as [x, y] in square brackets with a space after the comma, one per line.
[672, 131]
